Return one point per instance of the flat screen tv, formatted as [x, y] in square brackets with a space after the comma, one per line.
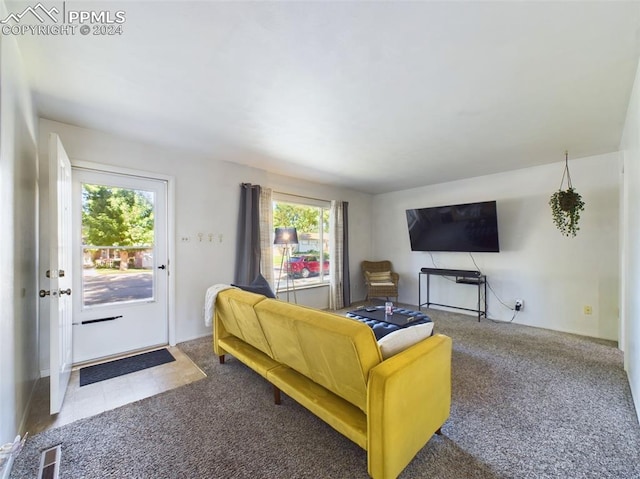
[470, 227]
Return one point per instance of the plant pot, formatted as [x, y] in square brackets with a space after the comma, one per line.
[567, 200]
[566, 206]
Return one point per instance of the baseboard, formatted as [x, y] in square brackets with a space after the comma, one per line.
[25, 415]
[635, 395]
[18, 444]
[6, 468]
[191, 338]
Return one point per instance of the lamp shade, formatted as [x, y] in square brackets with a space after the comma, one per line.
[286, 236]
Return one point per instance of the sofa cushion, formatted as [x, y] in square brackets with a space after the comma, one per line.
[340, 414]
[332, 350]
[235, 308]
[382, 278]
[252, 357]
[399, 340]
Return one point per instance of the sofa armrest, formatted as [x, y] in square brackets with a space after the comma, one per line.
[408, 400]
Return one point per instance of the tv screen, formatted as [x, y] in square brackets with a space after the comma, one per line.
[470, 227]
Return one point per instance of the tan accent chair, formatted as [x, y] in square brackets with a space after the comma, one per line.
[380, 280]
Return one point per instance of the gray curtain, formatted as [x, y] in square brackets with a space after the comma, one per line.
[248, 251]
[346, 283]
[340, 287]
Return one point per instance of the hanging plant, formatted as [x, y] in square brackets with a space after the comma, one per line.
[566, 205]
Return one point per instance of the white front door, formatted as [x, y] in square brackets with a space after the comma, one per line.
[60, 272]
[121, 264]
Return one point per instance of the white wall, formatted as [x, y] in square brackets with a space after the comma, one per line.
[556, 276]
[18, 241]
[207, 200]
[630, 239]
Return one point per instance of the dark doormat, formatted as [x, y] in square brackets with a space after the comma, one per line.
[120, 367]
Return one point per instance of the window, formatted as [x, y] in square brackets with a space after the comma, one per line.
[305, 263]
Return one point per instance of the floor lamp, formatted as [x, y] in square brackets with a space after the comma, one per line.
[286, 237]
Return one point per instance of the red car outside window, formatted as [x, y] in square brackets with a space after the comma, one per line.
[305, 266]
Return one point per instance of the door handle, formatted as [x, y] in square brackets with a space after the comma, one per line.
[162, 267]
[60, 273]
[46, 292]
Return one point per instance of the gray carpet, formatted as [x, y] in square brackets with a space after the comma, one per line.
[527, 403]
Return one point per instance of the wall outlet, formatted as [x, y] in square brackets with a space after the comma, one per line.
[185, 239]
[519, 304]
[587, 309]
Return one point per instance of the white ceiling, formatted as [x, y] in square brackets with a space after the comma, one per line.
[377, 96]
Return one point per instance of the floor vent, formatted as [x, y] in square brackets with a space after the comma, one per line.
[50, 463]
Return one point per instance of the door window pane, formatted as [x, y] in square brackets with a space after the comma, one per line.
[117, 245]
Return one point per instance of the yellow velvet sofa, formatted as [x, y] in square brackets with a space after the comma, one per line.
[332, 365]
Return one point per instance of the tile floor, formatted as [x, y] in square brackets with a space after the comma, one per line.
[85, 401]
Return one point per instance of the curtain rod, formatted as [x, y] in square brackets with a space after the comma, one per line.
[300, 196]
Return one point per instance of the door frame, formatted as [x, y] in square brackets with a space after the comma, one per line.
[171, 244]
